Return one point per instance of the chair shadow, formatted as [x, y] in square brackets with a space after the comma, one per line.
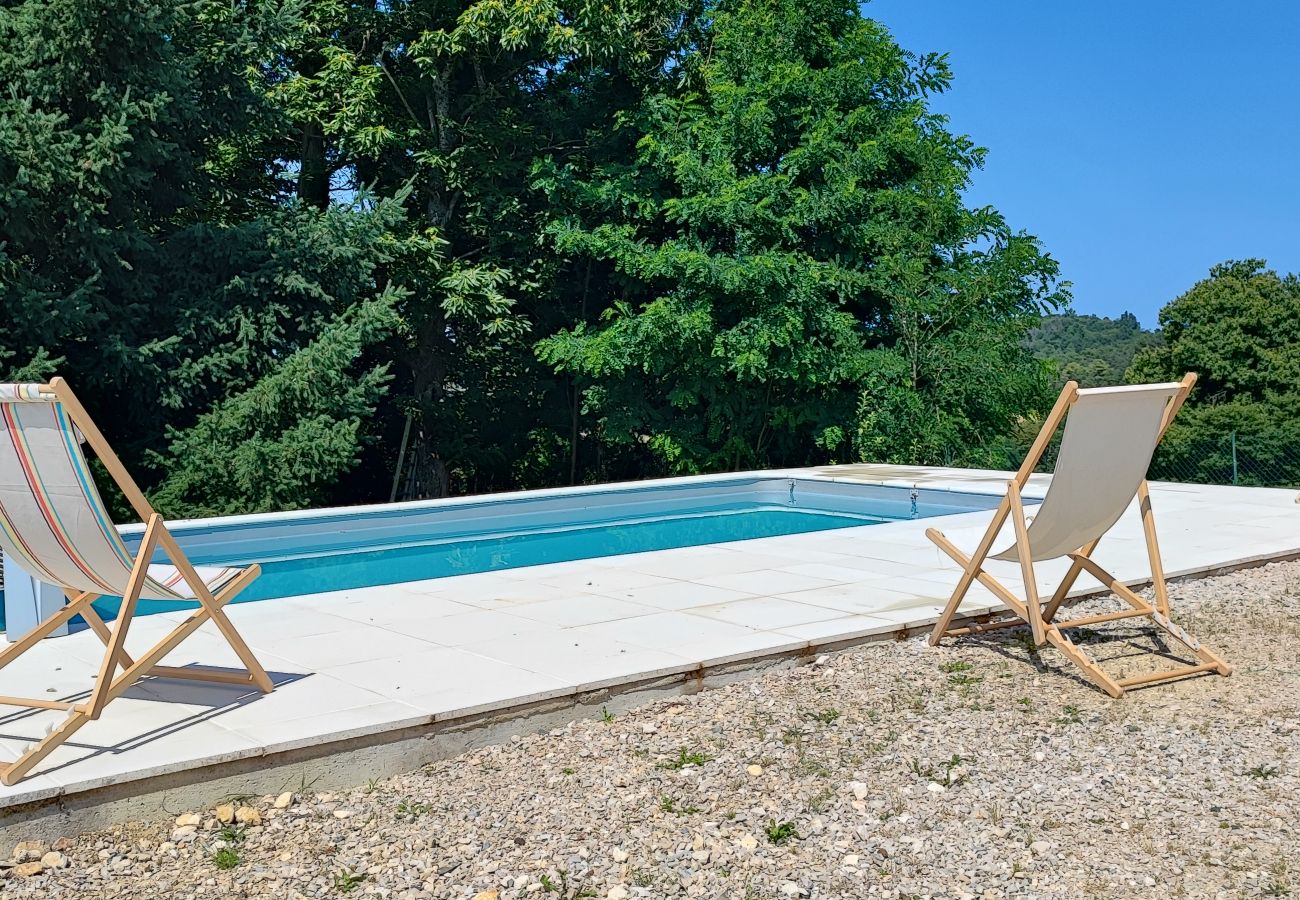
[219, 699]
[1135, 640]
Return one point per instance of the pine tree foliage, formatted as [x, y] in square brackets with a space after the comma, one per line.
[141, 261]
[282, 443]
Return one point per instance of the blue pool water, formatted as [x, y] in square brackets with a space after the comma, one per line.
[360, 568]
[342, 549]
[463, 557]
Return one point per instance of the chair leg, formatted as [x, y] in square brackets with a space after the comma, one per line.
[971, 567]
[79, 604]
[1203, 653]
[999, 590]
[1076, 569]
[1094, 672]
[237, 677]
[13, 772]
[117, 641]
[1054, 632]
[109, 687]
[251, 664]
[214, 607]
[1153, 550]
[109, 692]
[1025, 553]
[1211, 660]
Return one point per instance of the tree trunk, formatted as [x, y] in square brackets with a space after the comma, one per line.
[575, 410]
[313, 173]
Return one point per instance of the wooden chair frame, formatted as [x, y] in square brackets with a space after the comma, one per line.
[109, 684]
[1040, 618]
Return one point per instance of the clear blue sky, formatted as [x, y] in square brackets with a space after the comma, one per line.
[1143, 142]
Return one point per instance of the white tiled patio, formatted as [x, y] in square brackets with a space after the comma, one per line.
[364, 662]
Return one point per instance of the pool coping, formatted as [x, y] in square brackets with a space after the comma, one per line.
[403, 744]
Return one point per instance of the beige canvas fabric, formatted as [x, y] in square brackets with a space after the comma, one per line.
[1110, 435]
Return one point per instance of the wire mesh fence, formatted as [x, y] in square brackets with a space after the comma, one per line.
[1246, 457]
[1268, 458]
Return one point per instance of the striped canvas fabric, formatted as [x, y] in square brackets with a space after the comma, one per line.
[52, 519]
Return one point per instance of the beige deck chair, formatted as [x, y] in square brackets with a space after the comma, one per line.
[1110, 436]
[53, 522]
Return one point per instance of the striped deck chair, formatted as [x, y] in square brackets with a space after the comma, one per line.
[54, 524]
[1110, 437]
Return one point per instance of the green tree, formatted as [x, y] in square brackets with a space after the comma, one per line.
[260, 239]
[453, 102]
[1239, 330]
[146, 251]
[284, 442]
[781, 269]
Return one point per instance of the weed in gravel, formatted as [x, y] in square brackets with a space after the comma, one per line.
[569, 771]
[1261, 772]
[413, 809]
[780, 832]
[946, 777]
[346, 882]
[563, 889]
[822, 800]
[825, 716]
[810, 766]
[953, 666]
[1279, 884]
[1025, 641]
[667, 804]
[226, 858]
[685, 759]
[1070, 715]
[606, 715]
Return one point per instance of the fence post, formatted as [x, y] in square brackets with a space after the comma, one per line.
[1234, 457]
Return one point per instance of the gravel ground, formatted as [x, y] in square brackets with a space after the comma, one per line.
[894, 770]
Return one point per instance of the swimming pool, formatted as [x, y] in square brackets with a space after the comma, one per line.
[315, 551]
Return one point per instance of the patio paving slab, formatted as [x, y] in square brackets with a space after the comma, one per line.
[374, 660]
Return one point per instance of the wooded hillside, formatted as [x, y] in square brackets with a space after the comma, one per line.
[1092, 350]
